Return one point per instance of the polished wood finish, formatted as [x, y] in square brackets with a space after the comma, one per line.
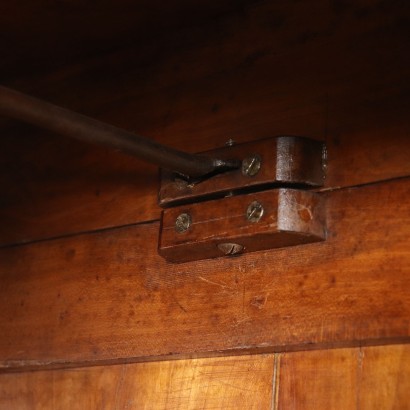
[366, 378]
[325, 379]
[109, 297]
[334, 71]
[363, 378]
[288, 217]
[215, 383]
[282, 161]
[339, 76]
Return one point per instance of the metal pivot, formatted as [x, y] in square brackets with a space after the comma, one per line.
[34, 111]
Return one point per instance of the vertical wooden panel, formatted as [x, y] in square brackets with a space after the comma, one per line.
[385, 378]
[217, 383]
[324, 379]
[360, 378]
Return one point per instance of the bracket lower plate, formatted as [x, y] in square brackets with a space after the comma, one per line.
[239, 224]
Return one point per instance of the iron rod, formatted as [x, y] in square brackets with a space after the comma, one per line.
[65, 122]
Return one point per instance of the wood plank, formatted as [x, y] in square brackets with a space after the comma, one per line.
[365, 378]
[230, 383]
[281, 217]
[361, 378]
[290, 161]
[259, 73]
[323, 379]
[108, 296]
[384, 377]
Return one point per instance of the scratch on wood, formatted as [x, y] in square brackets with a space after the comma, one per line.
[243, 298]
[235, 387]
[259, 301]
[238, 322]
[224, 286]
[177, 302]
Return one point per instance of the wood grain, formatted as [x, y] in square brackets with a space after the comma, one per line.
[108, 296]
[323, 379]
[289, 217]
[214, 383]
[355, 378]
[289, 161]
[366, 378]
[260, 71]
[384, 377]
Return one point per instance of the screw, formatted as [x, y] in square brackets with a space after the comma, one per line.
[254, 212]
[183, 222]
[251, 165]
[230, 248]
[230, 142]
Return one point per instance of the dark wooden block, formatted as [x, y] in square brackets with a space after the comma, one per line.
[284, 160]
[240, 224]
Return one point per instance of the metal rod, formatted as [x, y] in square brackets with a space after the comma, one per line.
[34, 111]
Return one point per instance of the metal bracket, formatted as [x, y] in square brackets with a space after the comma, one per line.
[262, 205]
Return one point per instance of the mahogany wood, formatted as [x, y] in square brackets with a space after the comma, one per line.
[214, 383]
[340, 75]
[334, 71]
[109, 297]
[289, 217]
[367, 378]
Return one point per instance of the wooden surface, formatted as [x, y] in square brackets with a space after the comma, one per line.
[289, 217]
[363, 378]
[358, 378]
[288, 161]
[48, 40]
[99, 293]
[108, 296]
[340, 75]
[228, 383]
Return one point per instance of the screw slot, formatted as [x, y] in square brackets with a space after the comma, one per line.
[183, 223]
[251, 165]
[230, 248]
[254, 212]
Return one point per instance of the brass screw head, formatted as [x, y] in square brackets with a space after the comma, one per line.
[183, 223]
[230, 248]
[254, 212]
[251, 165]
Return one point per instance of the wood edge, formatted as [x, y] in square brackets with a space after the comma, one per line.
[38, 365]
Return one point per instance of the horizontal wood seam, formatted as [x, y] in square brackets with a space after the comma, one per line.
[81, 233]
[33, 365]
[152, 221]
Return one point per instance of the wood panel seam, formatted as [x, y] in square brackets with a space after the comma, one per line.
[80, 233]
[153, 221]
[275, 381]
